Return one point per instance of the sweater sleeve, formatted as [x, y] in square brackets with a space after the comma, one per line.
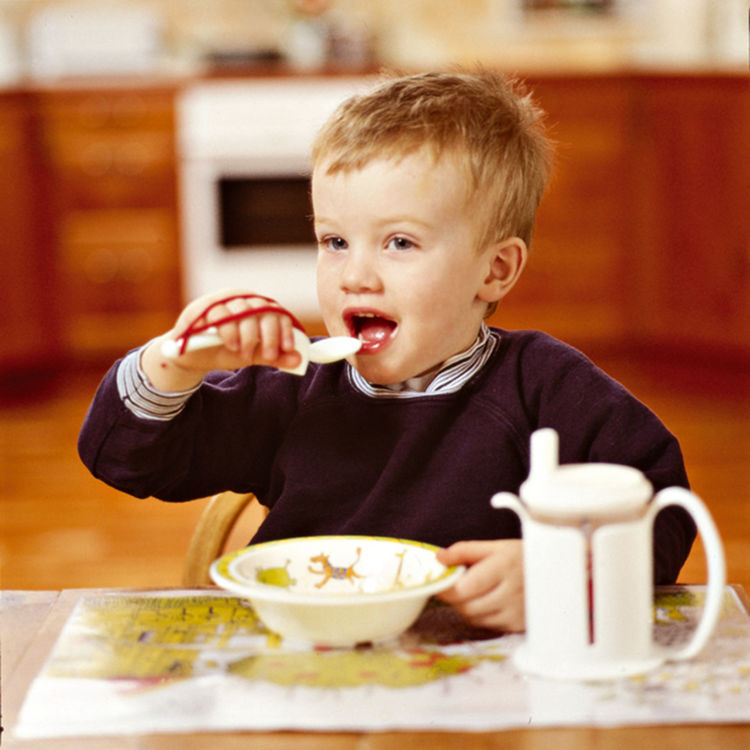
[598, 420]
[224, 438]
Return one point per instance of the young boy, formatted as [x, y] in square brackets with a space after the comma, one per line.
[424, 194]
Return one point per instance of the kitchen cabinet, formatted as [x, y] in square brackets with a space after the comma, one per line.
[691, 227]
[111, 168]
[28, 319]
[643, 237]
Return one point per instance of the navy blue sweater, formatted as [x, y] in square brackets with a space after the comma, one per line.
[325, 458]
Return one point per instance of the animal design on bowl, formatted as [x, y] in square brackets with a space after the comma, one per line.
[329, 571]
[275, 576]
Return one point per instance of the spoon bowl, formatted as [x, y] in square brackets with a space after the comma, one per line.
[333, 349]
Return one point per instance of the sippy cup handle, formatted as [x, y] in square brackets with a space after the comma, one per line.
[510, 501]
[714, 557]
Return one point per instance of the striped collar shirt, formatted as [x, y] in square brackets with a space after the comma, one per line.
[449, 377]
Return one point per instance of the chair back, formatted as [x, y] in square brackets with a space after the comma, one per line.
[214, 526]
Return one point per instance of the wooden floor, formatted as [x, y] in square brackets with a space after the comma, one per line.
[60, 528]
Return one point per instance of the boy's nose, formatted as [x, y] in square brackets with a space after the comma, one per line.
[360, 273]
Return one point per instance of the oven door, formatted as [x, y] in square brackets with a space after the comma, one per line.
[248, 224]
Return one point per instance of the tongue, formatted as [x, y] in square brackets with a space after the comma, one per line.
[374, 330]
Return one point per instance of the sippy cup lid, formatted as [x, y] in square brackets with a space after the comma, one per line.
[580, 491]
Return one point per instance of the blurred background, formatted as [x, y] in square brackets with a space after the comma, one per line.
[150, 151]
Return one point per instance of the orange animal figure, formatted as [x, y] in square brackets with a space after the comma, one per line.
[329, 571]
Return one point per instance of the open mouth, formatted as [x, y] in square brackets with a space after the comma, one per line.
[372, 329]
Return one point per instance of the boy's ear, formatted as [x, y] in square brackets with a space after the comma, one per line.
[507, 259]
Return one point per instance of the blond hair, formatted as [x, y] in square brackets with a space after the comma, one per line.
[485, 117]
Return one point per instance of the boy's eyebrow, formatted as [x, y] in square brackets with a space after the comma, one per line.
[387, 220]
[405, 218]
[319, 221]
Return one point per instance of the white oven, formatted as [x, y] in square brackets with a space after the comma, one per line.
[245, 208]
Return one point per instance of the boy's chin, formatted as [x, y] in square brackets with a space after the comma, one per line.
[375, 373]
[380, 373]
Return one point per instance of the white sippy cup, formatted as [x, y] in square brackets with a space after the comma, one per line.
[588, 567]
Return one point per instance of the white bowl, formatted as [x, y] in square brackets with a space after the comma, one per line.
[336, 590]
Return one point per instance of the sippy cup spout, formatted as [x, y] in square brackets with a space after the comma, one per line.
[544, 451]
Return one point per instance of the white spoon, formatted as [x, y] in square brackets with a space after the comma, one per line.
[323, 351]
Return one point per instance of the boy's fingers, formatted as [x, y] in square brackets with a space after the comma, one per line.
[507, 620]
[270, 336]
[288, 360]
[229, 333]
[478, 581]
[466, 553]
[500, 607]
[483, 611]
[287, 334]
[248, 336]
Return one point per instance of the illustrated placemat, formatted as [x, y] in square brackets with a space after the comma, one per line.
[159, 662]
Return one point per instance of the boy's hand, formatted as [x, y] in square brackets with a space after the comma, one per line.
[263, 339]
[490, 593]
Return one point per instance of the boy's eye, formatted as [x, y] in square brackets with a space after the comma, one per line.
[400, 243]
[334, 243]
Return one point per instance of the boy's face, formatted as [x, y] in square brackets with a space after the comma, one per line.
[398, 264]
